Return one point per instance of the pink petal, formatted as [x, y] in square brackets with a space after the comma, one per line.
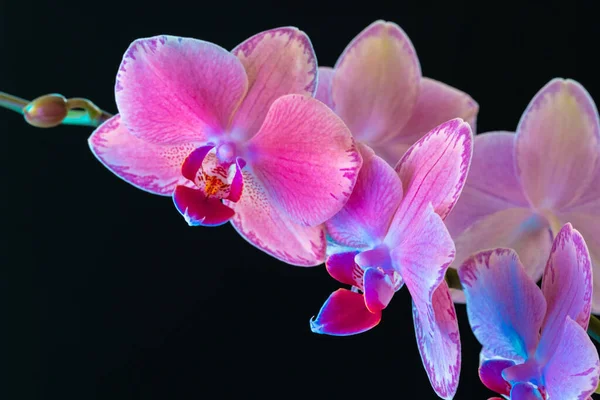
[378, 289]
[344, 313]
[435, 168]
[391, 151]
[173, 90]
[492, 184]
[194, 161]
[557, 144]
[587, 224]
[278, 62]
[567, 286]
[147, 166]
[376, 82]
[237, 184]
[436, 329]
[365, 218]
[306, 159]
[490, 373]
[266, 226]
[504, 306]
[436, 104]
[341, 266]
[525, 391]
[572, 372]
[198, 209]
[515, 228]
[324, 87]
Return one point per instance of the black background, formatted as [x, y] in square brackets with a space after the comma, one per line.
[113, 296]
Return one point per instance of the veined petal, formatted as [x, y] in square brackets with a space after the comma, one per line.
[147, 166]
[504, 306]
[366, 217]
[515, 228]
[492, 184]
[572, 371]
[557, 145]
[344, 313]
[438, 338]
[376, 82]
[341, 266]
[174, 90]
[435, 168]
[490, 373]
[324, 87]
[198, 209]
[279, 61]
[266, 226]
[306, 159]
[567, 287]
[378, 289]
[436, 104]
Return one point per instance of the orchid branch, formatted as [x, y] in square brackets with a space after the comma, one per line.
[52, 110]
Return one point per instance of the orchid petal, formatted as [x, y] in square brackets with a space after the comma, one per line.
[198, 209]
[266, 226]
[436, 104]
[438, 339]
[341, 266]
[557, 144]
[492, 184]
[194, 161]
[173, 90]
[237, 183]
[366, 217]
[378, 289]
[525, 391]
[344, 313]
[515, 228]
[573, 369]
[435, 168]
[504, 306]
[278, 62]
[376, 82]
[147, 166]
[490, 373]
[323, 93]
[306, 159]
[391, 151]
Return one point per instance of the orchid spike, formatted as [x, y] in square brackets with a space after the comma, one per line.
[522, 187]
[393, 232]
[233, 136]
[376, 87]
[534, 341]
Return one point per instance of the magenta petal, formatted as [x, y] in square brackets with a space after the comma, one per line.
[197, 209]
[237, 184]
[324, 87]
[557, 144]
[341, 266]
[435, 168]
[378, 289]
[306, 159]
[278, 62]
[567, 287]
[376, 82]
[365, 218]
[525, 391]
[174, 90]
[344, 313]
[572, 371]
[490, 373]
[438, 339]
[267, 227]
[492, 184]
[504, 306]
[147, 166]
[193, 162]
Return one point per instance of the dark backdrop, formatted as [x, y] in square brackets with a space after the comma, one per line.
[113, 296]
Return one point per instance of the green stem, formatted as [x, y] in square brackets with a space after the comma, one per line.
[594, 328]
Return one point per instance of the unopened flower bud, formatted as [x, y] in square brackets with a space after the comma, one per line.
[46, 111]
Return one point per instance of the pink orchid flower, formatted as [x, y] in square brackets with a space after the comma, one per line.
[535, 345]
[376, 87]
[523, 187]
[392, 227]
[233, 136]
